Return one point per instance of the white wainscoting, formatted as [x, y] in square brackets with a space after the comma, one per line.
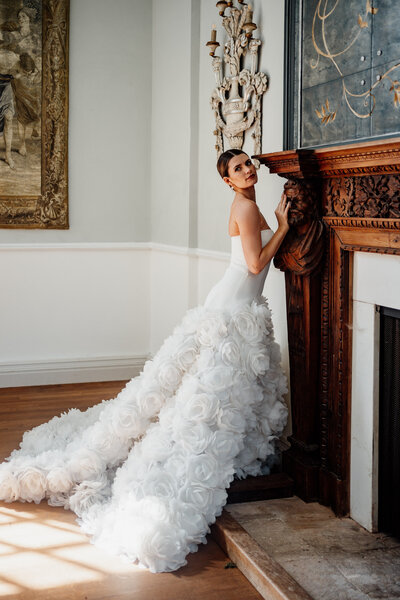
[76, 312]
[73, 312]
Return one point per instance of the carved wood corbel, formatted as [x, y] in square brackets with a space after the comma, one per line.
[300, 257]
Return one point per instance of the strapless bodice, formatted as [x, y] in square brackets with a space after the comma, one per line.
[237, 254]
[238, 284]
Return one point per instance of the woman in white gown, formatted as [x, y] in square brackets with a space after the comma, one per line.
[147, 471]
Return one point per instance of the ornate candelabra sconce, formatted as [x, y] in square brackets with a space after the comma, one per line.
[236, 101]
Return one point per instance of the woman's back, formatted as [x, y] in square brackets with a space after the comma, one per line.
[238, 285]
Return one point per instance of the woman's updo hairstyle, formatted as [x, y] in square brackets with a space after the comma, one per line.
[223, 160]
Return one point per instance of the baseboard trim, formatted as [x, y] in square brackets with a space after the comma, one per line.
[78, 370]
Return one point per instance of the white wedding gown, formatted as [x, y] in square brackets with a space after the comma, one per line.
[147, 471]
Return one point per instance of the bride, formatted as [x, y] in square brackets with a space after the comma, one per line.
[147, 471]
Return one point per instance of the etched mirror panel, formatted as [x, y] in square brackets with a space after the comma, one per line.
[345, 57]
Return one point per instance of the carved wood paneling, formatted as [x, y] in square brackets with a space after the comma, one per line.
[357, 191]
[371, 196]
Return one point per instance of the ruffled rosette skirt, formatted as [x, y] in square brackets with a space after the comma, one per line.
[147, 471]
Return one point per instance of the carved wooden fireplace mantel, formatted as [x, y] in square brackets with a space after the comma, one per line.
[343, 199]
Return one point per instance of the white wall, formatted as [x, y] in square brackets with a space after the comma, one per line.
[70, 312]
[174, 116]
[109, 125]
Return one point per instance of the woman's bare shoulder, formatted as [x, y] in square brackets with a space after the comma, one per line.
[244, 206]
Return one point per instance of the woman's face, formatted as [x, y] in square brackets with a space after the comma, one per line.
[23, 18]
[242, 173]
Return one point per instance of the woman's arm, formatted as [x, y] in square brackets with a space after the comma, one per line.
[248, 220]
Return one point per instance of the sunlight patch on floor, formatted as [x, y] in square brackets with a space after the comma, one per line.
[38, 571]
[4, 519]
[62, 525]
[8, 589]
[38, 536]
[92, 557]
[38, 553]
[6, 549]
[18, 514]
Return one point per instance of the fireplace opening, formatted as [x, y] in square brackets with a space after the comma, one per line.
[389, 422]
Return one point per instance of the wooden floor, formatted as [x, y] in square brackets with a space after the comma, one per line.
[44, 555]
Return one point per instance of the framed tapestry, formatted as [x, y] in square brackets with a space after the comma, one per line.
[34, 113]
[342, 71]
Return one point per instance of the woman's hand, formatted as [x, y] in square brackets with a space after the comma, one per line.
[281, 212]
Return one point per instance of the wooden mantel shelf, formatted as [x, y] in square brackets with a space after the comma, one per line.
[343, 199]
[367, 158]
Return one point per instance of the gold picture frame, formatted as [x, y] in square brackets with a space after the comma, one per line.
[48, 208]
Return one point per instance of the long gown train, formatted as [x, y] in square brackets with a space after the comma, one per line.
[147, 471]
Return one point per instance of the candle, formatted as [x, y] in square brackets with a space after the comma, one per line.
[249, 16]
[213, 33]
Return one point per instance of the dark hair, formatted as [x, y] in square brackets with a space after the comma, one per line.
[224, 158]
[27, 62]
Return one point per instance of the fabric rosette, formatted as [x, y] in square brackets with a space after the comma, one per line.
[32, 484]
[85, 464]
[56, 433]
[263, 315]
[88, 494]
[232, 419]
[158, 483]
[59, 480]
[193, 522]
[156, 446]
[203, 469]
[245, 323]
[194, 437]
[256, 359]
[186, 353]
[169, 375]
[162, 547]
[9, 484]
[277, 416]
[230, 353]
[275, 353]
[126, 420]
[219, 379]
[176, 464]
[107, 443]
[247, 394]
[206, 360]
[226, 445]
[208, 501]
[211, 330]
[199, 407]
[149, 401]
